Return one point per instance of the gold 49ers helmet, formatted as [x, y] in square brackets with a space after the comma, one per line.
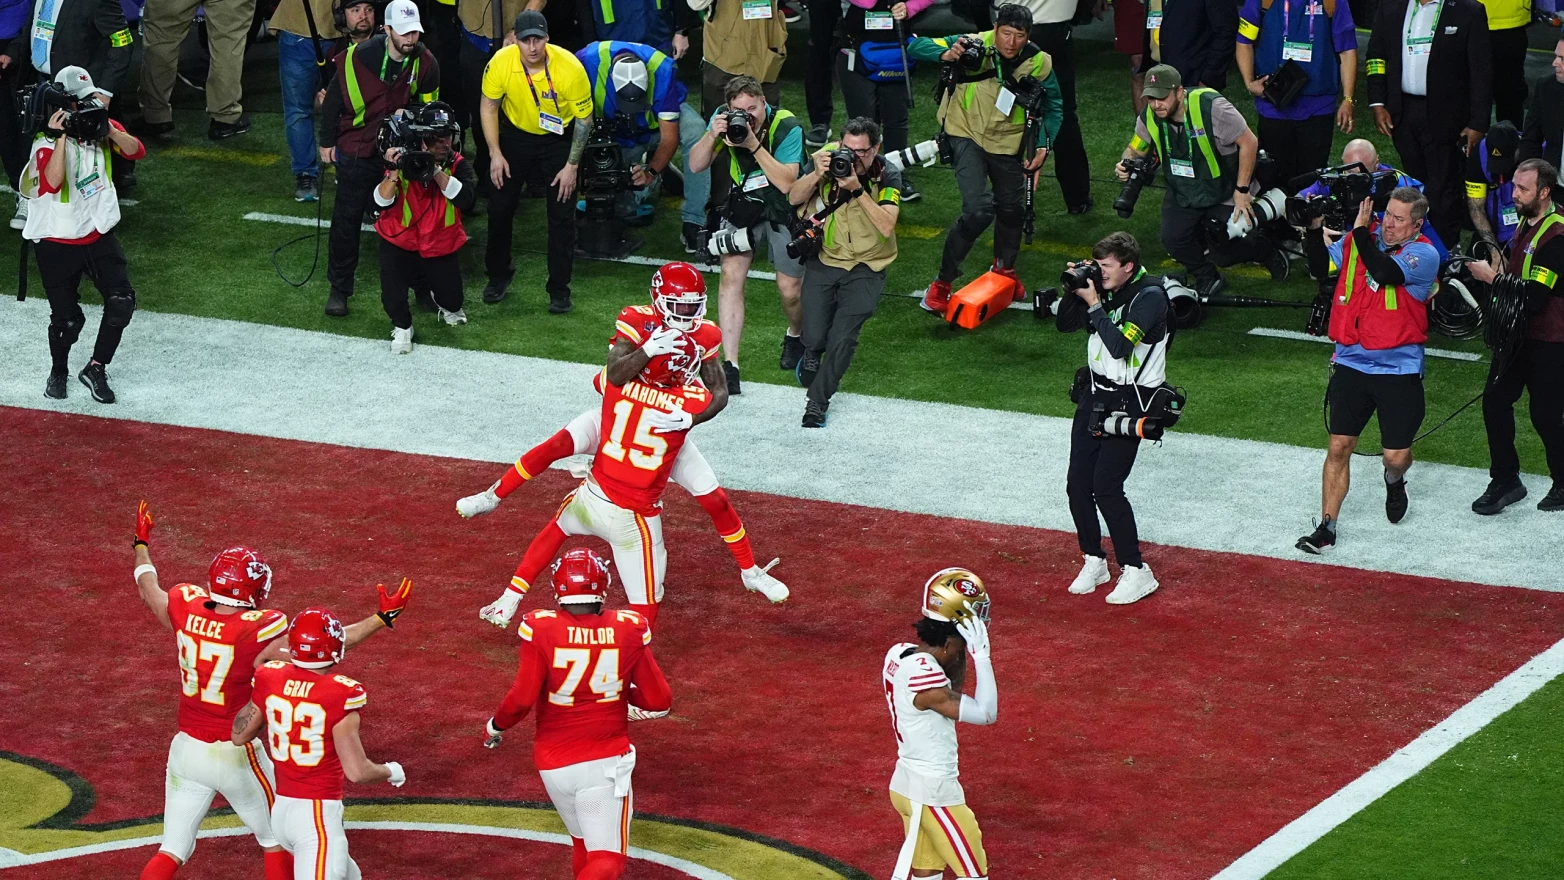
[953, 594]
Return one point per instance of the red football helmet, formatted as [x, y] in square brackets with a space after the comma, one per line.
[579, 577]
[316, 639]
[679, 295]
[954, 594]
[239, 578]
[682, 367]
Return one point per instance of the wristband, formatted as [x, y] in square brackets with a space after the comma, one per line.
[492, 730]
[137, 542]
[1243, 189]
[146, 568]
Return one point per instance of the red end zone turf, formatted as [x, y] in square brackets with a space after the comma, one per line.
[1160, 740]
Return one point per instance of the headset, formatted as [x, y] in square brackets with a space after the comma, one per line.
[339, 12]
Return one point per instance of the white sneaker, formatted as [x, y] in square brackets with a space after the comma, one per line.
[644, 715]
[1093, 574]
[756, 580]
[501, 610]
[1135, 584]
[453, 318]
[19, 219]
[480, 504]
[401, 340]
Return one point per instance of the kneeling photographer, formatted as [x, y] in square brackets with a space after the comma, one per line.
[765, 152]
[1121, 397]
[638, 101]
[426, 190]
[847, 244]
[72, 211]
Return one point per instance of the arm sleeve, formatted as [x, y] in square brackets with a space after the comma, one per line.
[330, 112]
[467, 197]
[1479, 55]
[1072, 313]
[1419, 265]
[1108, 332]
[650, 691]
[1249, 22]
[110, 22]
[1053, 114]
[983, 706]
[388, 202]
[916, 7]
[1146, 321]
[141, 149]
[530, 676]
[791, 150]
[929, 48]
[1381, 267]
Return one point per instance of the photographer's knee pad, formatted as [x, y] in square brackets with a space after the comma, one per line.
[1010, 215]
[118, 306]
[973, 225]
[66, 329]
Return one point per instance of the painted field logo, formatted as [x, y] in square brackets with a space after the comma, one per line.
[41, 807]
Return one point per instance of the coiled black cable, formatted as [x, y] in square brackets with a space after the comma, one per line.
[1506, 321]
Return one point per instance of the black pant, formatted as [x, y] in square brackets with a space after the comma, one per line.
[1509, 74]
[356, 182]
[1539, 368]
[13, 148]
[1297, 146]
[472, 64]
[837, 303]
[1095, 481]
[401, 269]
[1197, 239]
[980, 206]
[823, 16]
[533, 159]
[1431, 154]
[61, 267]
[884, 102]
[1069, 151]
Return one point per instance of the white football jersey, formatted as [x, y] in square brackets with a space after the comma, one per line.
[925, 739]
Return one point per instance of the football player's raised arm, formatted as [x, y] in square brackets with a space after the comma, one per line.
[145, 573]
[392, 604]
[649, 687]
[531, 674]
[625, 361]
[248, 723]
[350, 751]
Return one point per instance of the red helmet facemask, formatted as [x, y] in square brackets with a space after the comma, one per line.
[239, 578]
[679, 295]
[316, 639]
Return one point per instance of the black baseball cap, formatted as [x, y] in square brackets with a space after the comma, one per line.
[530, 23]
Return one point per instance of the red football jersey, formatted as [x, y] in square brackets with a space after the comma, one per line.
[636, 324]
[633, 463]
[216, 659]
[302, 708]
[577, 670]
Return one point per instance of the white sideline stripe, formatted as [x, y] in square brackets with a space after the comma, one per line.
[1304, 337]
[1407, 762]
[126, 203]
[629, 260]
[1023, 304]
[1209, 493]
[11, 858]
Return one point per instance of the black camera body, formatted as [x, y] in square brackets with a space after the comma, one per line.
[738, 127]
[1081, 275]
[415, 163]
[1140, 173]
[1345, 189]
[605, 172]
[86, 119]
[1030, 94]
[972, 53]
[841, 164]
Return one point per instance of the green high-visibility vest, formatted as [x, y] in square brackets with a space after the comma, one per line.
[1215, 175]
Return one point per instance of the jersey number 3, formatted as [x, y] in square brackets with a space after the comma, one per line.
[646, 451]
[605, 680]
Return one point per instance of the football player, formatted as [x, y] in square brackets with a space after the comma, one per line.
[222, 637]
[584, 669]
[310, 716]
[923, 689]
[666, 344]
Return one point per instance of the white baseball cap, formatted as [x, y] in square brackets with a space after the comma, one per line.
[402, 16]
[77, 81]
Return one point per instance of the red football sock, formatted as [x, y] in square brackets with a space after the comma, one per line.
[161, 867]
[540, 553]
[602, 865]
[578, 855]
[729, 526]
[647, 611]
[279, 865]
[536, 460]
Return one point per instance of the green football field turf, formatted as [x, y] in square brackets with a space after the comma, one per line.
[1488, 809]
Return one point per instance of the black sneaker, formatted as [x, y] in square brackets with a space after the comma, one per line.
[817, 134]
[1215, 287]
[145, 129]
[1499, 495]
[1083, 208]
[808, 366]
[1278, 264]
[1396, 500]
[730, 370]
[306, 188]
[496, 289]
[1554, 500]
[909, 193]
[337, 304]
[55, 387]
[792, 350]
[691, 236]
[219, 131]
[96, 378]
[815, 414]
[1318, 541]
[559, 305]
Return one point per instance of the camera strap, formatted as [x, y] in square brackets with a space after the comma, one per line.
[315, 38]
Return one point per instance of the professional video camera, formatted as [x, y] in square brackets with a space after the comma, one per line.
[86, 119]
[1346, 186]
[738, 127]
[411, 133]
[1140, 172]
[603, 179]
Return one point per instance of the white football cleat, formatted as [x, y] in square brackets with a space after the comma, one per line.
[1135, 584]
[637, 714]
[401, 340]
[1093, 575]
[756, 580]
[501, 610]
[480, 504]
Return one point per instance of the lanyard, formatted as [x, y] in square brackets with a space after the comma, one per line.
[538, 102]
[386, 60]
[1307, 13]
[1432, 31]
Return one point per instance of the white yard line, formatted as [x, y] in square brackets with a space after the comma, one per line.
[1210, 493]
[1274, 333]
[1407, 762]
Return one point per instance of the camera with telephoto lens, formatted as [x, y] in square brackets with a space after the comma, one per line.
[923, 153]
[1139, 173]
[724, 242]
[404, 133]
[738, 127]
[1118, 423]
[1082, 274]
[1346, 187]
[840, 165]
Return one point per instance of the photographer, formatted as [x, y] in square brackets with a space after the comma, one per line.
[1207, 154]
[1534, 260]
[765, 152]
[871, 66]
[427, 188]
[852, 248]
[1490, 186]
[375, 79]
[1128, 321]
[638, 106]
[73, 209]
[1379, 322]
[987, 126]
[307, 39]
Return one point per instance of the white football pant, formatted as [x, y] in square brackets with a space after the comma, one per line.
[312, 831]
[636, 540]
[690, 468]
[198, 770]
[594, 799]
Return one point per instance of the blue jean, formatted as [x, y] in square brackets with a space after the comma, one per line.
[697, 187]
[300, 81]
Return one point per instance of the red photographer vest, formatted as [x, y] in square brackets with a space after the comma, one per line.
[367, 99]
[423, 220]
[1376, 319]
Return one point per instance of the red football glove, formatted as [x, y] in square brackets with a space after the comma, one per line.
[393, 603]
[143, 524]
